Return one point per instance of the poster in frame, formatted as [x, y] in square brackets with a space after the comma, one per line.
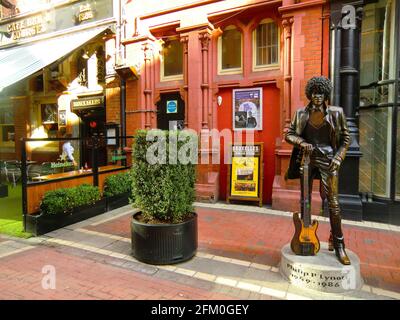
[247, 109]
[245, 173]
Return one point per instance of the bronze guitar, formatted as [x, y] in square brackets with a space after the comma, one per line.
[305, 241]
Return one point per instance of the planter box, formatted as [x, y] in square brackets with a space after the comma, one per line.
[41, 224]
[117, 201]
[3, 190]
[164, 243]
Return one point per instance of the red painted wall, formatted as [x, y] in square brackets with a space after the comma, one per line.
[269, 134]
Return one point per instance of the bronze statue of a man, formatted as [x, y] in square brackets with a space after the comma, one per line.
[322, 131]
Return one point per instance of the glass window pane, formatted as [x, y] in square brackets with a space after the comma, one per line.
[10, 173]
[375, 142]
[266, 44]
[377, 42]
[173, 58]
[398, 157]
[231, 49]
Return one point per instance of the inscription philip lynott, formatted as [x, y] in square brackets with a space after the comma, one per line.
[321, 280]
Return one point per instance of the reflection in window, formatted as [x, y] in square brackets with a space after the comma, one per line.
[377, 73]
[376, 42]
[375, 139]
[7, 128]
[172, 54]
[398, 157]
[266, 44]
[231, 48]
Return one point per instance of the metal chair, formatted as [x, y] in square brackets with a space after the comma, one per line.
[33, 171]
[13, 171]
[46, 169]
[3, 171]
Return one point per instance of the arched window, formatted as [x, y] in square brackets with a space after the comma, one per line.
[230, 50]
[266, 45]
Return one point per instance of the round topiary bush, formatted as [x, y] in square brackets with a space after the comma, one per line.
[163, 174]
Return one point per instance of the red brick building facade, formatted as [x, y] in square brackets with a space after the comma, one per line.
[299, 34]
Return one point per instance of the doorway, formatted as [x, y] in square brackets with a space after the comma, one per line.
[93, 125]
[171, 112]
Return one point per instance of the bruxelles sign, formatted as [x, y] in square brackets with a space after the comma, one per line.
[87, 103]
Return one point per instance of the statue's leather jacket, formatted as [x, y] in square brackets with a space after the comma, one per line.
[340, 137]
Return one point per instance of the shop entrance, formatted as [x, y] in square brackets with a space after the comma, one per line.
[170, 111]
[93, 125]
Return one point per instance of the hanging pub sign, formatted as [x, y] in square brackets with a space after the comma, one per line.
[245, 174]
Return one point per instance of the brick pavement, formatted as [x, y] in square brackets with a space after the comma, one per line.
[258, 238]
[84, 278]
[237, 259]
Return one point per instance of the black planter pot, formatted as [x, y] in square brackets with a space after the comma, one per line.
[3, 190]
[117, 201]
[164, 243]
[41, 224]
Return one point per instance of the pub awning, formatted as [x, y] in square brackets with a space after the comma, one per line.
[17, 63]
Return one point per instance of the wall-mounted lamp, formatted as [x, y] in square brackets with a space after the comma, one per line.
[219, 101]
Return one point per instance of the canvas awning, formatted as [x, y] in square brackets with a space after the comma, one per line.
[17, 63]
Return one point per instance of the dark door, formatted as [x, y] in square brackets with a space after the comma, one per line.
[93, 125]
[170, 111]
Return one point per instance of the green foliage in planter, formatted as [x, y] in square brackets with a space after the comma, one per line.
[164, 190]
[117, 184]
[65, 200]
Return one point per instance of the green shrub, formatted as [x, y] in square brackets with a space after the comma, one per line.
[63, 201]
[117, 184]
[163, 191]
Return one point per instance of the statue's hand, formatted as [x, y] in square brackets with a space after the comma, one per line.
[308, 147]
[335, 165]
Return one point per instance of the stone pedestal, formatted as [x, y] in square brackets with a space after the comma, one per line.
[322, 272]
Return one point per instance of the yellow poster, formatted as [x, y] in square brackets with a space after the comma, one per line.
[244, 178]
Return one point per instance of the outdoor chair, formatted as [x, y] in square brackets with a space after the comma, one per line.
[46, 169]
[13, 172]
[3, 171]
[33, 171]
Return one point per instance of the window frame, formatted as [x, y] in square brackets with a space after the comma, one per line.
[164, 78]
[222, 71]
[7, 144]
[271, 66]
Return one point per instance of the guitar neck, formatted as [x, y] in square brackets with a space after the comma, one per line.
[306, 192]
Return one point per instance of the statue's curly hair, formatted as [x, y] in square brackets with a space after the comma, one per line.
[319, 85]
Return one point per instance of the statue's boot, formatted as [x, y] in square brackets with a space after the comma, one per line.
[340, 251]
[330, 242]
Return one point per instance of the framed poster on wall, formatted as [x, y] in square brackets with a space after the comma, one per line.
[247, 109]
[245, 173]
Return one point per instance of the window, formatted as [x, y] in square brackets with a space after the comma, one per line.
[377, 97]
[230, 49]
[7, 129]
[172, 60]
[266, 45]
